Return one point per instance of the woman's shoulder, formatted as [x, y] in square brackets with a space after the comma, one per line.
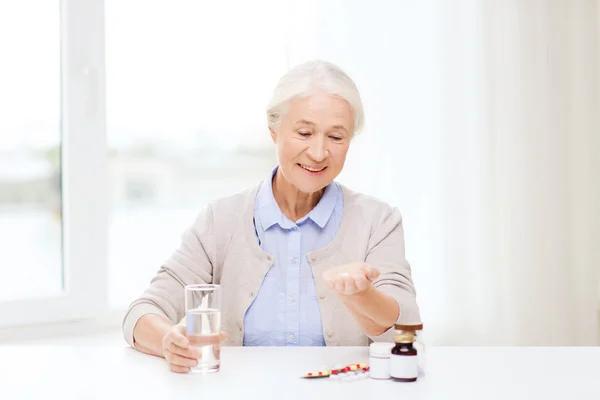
[235, 201]
[220, 218]
[225, 211]
[367, 207]
[358, 200]
[232, 207]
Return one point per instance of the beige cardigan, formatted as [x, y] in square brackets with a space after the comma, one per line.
[221, 247]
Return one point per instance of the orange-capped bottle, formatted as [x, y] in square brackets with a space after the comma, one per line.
[404, 365]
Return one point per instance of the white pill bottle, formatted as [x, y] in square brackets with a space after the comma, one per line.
[379, 360]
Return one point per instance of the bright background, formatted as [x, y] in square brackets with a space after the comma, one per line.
[482, 127]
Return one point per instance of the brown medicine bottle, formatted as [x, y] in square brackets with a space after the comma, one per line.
[404, 366]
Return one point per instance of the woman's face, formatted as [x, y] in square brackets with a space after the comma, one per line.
[313, 139]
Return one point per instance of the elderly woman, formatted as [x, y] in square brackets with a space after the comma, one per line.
[303, 260]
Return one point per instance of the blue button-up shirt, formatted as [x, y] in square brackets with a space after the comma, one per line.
[285, 311]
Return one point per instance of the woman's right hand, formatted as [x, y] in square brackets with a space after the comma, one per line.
[181, 353]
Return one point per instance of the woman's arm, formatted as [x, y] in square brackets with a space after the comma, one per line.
[162, 304]
[374, 311]
[386, 253]
[378, 292]
[149, 333]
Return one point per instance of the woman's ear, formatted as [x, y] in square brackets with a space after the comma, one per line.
[273, 135]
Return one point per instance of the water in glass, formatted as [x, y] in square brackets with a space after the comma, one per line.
[203, 324]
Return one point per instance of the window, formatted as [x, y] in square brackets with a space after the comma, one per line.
[30, 144]
[186, 121]
[52, 160]
[95, 189]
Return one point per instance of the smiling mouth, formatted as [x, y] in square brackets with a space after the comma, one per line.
[311, 169]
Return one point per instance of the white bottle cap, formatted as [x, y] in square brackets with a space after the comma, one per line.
[381, 349]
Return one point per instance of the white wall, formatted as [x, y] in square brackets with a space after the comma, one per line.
[482, 127]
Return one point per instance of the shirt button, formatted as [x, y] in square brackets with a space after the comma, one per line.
[251, 294]
[322, 296]
[329, 334]
[295, 228]
[292, 336]
[292, 299]
[293, 260]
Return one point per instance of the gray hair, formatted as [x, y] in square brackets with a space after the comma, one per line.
[307, 78]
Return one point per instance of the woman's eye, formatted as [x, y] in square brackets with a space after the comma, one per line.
[336, 138]
[304, 134]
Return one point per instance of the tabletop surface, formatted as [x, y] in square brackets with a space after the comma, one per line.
[111, 372]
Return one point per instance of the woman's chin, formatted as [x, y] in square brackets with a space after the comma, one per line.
[311, 185]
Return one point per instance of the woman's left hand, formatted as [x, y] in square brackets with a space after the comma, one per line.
[351, 279]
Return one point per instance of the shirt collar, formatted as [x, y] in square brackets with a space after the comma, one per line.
[270, 214]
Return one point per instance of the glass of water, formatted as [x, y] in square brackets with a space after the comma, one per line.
[203, 324]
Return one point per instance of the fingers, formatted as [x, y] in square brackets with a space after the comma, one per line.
[178, 360]
[179, 369]
[204, 340]
[224, 336]
[361, 282]
[346, 284]
[178, 336]
[349, 285]
[181, 351]
[176, 343]
[338, 285]
[351, 278]
[190, 352]
[371, 273]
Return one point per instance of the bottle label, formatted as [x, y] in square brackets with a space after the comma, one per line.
[405, 367]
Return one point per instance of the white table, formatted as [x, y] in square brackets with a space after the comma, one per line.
[118, 372]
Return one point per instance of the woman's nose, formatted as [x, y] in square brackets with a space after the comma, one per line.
[318, 149]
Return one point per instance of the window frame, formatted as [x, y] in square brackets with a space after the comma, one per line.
[84, 176]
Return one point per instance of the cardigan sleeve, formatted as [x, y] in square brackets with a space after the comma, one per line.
[386, 252]
[189, 264]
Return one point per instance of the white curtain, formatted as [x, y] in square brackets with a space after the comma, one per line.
[483, 127]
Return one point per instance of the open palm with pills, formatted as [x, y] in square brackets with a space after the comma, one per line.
[350, 279]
